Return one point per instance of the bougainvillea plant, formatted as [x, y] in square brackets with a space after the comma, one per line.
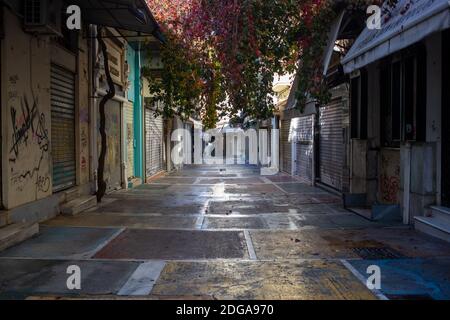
[221, 56]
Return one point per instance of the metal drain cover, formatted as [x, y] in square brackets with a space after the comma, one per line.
[378, 253]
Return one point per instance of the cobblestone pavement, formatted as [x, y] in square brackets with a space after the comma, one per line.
[216, 232]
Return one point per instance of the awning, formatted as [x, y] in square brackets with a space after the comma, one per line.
[332, 37]
[410, 22]
[133, 17]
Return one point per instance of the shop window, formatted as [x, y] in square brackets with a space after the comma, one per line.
[359, 105]
[403, 98]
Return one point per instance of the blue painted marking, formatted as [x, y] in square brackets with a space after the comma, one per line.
[411, 276]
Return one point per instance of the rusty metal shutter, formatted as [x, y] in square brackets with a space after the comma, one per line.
[62, 94]
[286, 157]
[154, 161]
[331, 144]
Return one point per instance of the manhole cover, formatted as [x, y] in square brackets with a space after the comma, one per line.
[378, 253]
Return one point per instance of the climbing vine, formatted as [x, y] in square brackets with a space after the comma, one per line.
[221, 55]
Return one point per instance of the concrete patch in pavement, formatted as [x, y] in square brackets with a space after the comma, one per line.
[261, 280]
[20, 278]
[142, 280]
[63, 242]
[411, 278]
[175, 245]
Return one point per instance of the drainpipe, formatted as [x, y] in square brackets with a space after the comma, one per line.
[93, 72]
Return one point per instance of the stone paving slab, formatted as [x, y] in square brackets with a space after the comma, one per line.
[411, 278]
[336, 221]
[171, 180]
[175, 244]
[301, 188]
[67, 242]
[161, 205]
[282, 178]
[234, 223]
[248, 180]
[128, 221]
[341, 244]
[261, 280]
[21, 278]
[256, 206]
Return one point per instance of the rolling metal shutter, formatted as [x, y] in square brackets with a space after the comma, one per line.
[331, 144]
[62, 94]
[304, 161]
[129, 139]
[286, 157]
[301, 133]
[154, 162]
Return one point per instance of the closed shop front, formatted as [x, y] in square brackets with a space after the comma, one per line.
[332, 144]
[113, 169]
[286, 153]
[154, 143]
[301, 135]
[129, 139]
[63, 128]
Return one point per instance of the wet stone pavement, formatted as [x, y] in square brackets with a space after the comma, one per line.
[225, 232]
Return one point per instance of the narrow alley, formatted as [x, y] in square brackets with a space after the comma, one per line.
[225, 232]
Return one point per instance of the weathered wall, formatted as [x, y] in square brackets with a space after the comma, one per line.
[25, 115]
[434, 104]
[26, 112]
[83, 80]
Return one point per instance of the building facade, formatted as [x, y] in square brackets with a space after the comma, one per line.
[399, 115]
[45, 116]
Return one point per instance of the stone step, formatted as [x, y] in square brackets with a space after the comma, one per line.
[16, 233]
[440, 213]
[434, 227]
[72, 194]
[364, 212]
[78, 205]
[3, 218]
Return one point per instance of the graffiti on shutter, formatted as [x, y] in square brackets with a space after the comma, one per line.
[62, 94]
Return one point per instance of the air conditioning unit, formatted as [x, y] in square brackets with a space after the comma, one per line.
[43, 16]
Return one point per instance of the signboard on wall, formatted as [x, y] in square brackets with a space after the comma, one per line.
[116, 62]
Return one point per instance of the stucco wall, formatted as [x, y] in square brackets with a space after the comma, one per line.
[26, 112]
[25, 115]
[82, 101]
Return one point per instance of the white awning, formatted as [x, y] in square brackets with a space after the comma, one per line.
[410, 22]
[332, 37]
